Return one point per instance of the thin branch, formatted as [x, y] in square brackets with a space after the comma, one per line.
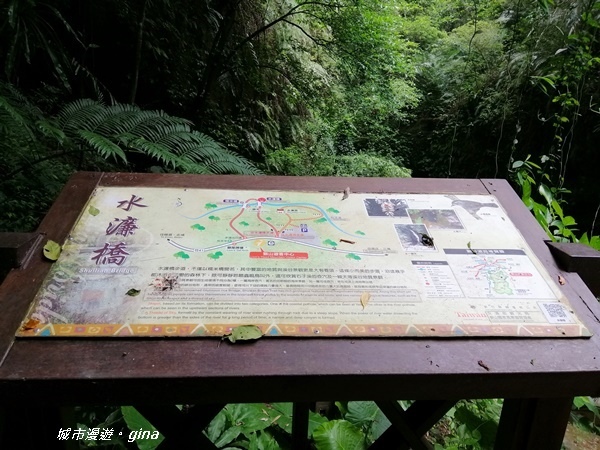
[28, 165]
[594, 221]
[317, 41]
[291, 12]
[282, 73]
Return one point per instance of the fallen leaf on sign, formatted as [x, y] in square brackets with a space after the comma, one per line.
[244, 333]
[561, 280]
[30, 324]
[365, 297]
[346, 193]
[484, 365]
[469, 247]
[93, 210]
[52, 250]
[133, 292]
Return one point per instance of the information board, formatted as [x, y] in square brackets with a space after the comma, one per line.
[144, 261]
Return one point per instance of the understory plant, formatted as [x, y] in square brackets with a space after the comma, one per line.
[39, 151]
[546, 202]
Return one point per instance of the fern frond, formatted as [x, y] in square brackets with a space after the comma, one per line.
[103, 145]
[120, 121]
[84, 114]
[157, 151]
[114, 130]
[50, 129]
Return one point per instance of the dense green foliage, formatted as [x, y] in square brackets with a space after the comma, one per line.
[469, 425]
[332, 87]
[441, 88]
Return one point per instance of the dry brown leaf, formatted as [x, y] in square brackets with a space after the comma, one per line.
[30, 324]
[561, 280]
[365, 298]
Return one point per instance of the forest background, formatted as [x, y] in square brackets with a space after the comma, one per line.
[428, 88]
[395, 88]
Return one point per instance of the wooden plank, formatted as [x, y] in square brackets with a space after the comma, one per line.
[398, 417]
[15, 248]
[579, 258]
[420, 417]
[19, 287]
[531, 424]
[300, 425]
[314, 184]
[108, 371]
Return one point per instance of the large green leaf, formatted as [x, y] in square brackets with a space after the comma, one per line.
[217, 426]
[361, 413]
[369, 417]
[136, 422]
[249, 417]
[228, 436]
[546, 193]
[281, 414]
[263, 440]
[339, 435]
[240, 419]
[315, 420]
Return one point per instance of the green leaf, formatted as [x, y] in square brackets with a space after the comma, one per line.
[250, 417]
[266, 441]
[339, 435]
[315, 420]
[557, 209]
[52, 250]
[216, 426]
[136, 422]
[228, 436]
[595, 242]
[93, 210]
[342, 407]
[526, 185]
[584, 239]
[369, 417]
[133, 292]
[361, 413]
[546, 193]
[281, 414]
[244, 333]
[103, 145]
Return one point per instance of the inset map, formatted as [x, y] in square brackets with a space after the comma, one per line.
[497, 273]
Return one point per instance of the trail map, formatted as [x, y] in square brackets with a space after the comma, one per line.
[198, 262]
